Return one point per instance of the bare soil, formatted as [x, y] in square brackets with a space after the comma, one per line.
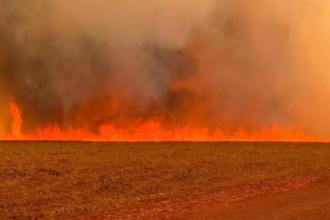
[305, 204]
[73, 180]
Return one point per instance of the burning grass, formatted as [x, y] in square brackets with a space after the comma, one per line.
[151, 131]
[61, 179]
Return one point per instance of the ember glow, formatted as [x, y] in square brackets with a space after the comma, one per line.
[211, 70]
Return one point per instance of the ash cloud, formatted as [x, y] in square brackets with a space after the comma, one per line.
[214, 62]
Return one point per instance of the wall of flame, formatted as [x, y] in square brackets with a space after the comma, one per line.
[84, 68]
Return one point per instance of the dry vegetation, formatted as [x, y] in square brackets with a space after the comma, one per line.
[52, 179]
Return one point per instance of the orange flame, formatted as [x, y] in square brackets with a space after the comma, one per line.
[17, 119]
[151, 131]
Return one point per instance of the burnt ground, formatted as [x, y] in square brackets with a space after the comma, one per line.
[73, 180]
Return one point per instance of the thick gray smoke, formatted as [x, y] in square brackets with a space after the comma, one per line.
[225, 63]
[60, 54]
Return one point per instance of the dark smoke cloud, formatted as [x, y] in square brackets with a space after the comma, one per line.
[216, 63]
[60, 54]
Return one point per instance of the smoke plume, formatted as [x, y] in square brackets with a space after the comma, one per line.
[213, 63]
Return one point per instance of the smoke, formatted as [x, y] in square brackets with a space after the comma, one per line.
[215, 63]
[265, 63]
[62, 54]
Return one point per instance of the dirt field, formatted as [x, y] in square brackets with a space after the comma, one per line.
[147, 180]
[310, 203]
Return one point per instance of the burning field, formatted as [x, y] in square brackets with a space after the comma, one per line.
[151, 131]
[148, 109]
[216, 70]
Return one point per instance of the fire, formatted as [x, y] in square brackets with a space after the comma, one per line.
[150, 131]
[17, 119]
[165, 71]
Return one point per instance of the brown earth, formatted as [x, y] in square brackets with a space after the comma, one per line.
[311, 203]
[69, 180]
[194, 207]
